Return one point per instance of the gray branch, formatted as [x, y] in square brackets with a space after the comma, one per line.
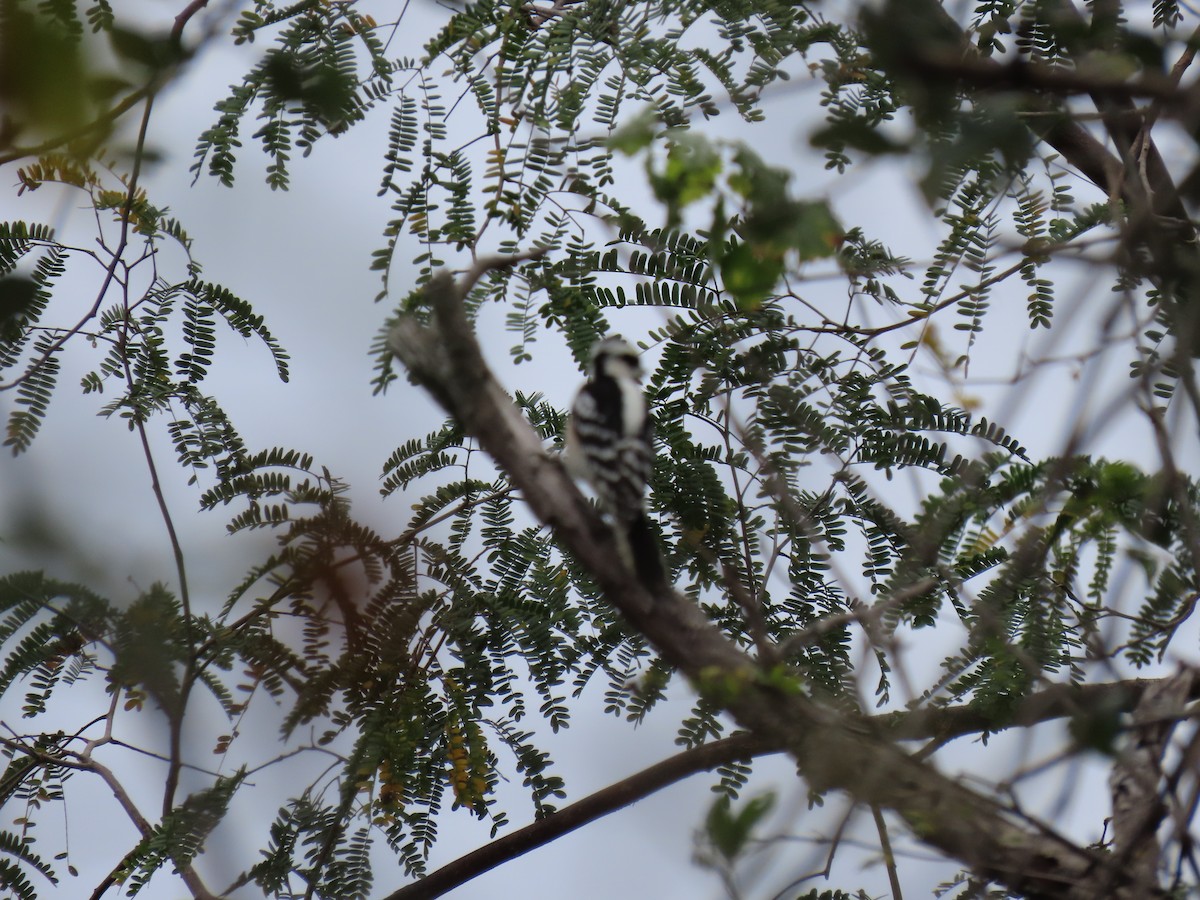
[833, 750]
[1137, 805]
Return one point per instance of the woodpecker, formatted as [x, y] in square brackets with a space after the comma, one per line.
[609, 437]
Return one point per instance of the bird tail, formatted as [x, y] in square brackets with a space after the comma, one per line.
[644, 550]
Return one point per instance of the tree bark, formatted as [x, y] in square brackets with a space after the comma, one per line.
[833, 750]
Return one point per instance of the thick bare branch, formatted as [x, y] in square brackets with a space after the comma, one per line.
[1138, 808]
[589, 809]
[941, 725]
[833, 750]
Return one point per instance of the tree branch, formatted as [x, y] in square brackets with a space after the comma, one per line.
[834, 750]
[1155, 194]
[189, 875]
[1137, 807]
[920, 725]
[607, 800]
[941, 53]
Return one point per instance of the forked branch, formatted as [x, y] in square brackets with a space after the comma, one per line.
[833, 750]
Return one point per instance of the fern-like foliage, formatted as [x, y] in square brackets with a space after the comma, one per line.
[181, 834]
[144, 374]
[415, 658]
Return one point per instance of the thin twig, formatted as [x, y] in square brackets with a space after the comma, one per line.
[174, 711]
[100, 123]
[889, 858]
[834, 843]
[187, 873]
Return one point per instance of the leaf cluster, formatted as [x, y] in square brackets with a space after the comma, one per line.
[430, 663]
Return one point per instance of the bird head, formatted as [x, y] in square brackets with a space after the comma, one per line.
[616, 357]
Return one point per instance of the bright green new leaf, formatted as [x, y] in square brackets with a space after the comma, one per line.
[750, 272]
[815, 232]
[690, 173]
[636, 134]
[729, 830]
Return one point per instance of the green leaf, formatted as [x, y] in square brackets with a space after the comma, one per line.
[1099, 728]
[690, 173]
[857, 134]
[146, 646]
[17, 297]
[814, 230]
[43, 71]
[636, 134]
[774, 219]
[729, 830]
[750, 272]
[151, 51]
[181, 834]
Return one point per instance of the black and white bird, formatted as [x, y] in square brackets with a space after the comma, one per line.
[609, 437]
[610, 445]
